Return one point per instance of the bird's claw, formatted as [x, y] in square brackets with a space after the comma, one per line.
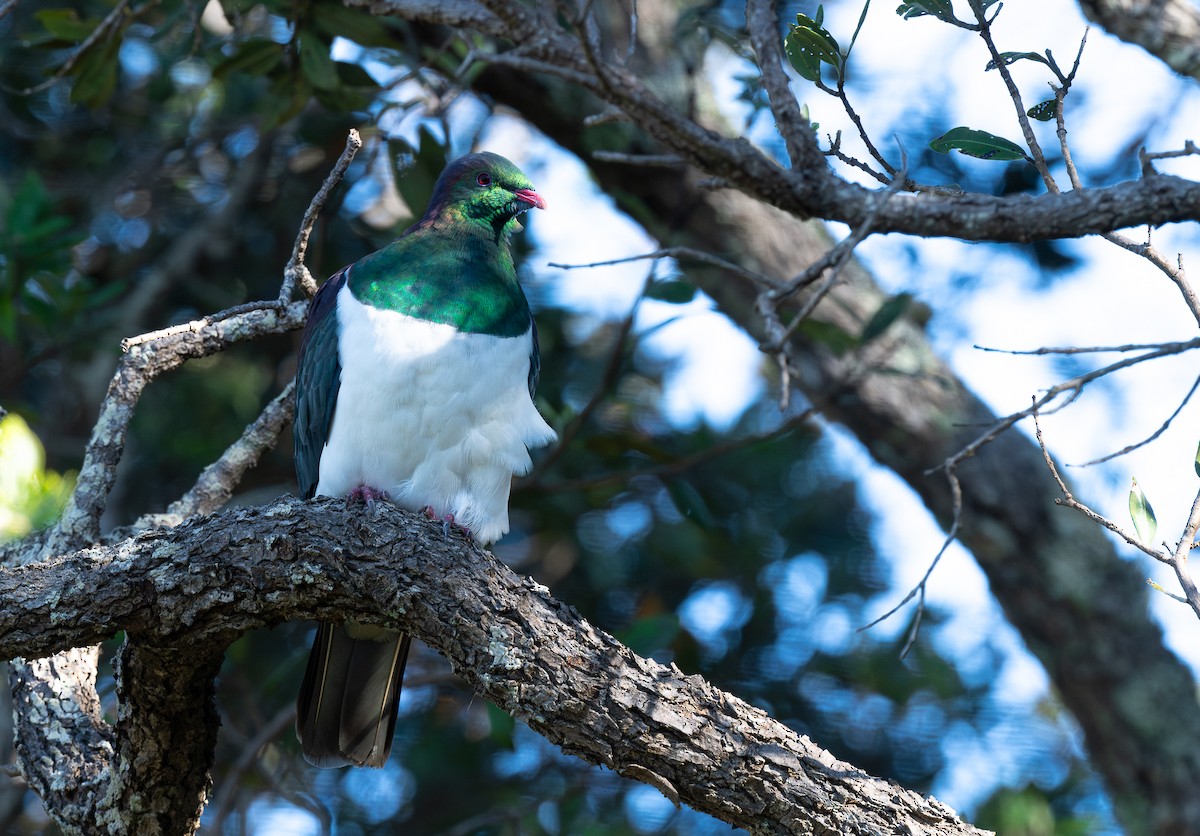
[448, 523]
[371, 496]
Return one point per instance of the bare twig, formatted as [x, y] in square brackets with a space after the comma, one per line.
[1151, 437]
[918, 591]
[104, 29]
[1068, 500]
[1174, 272]
[1189, 148]
[216, 483]
[679, 253]
[650, 160]
[1072, 388]
[1175, 348]
[297, 271]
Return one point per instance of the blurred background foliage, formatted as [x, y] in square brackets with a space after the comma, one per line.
[160, 172]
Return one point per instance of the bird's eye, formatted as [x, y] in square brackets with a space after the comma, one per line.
[483, 178]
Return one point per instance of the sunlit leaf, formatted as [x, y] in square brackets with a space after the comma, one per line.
[1144, 521]
[1196, 463]
[980, 144]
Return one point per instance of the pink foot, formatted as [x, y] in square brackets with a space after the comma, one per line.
[447, 522]
[368, 495]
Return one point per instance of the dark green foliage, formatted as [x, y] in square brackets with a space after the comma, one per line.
[809, 45]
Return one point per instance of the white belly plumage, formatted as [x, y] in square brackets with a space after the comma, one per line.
[432, 416]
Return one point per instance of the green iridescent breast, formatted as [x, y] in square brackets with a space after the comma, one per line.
[461, 279]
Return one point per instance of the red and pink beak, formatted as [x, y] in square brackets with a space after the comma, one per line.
[531, 197]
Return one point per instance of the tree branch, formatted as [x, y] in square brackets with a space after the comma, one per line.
[209, 579]
[1167, 29]
[811, 190]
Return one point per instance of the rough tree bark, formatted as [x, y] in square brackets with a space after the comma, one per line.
[202, 583]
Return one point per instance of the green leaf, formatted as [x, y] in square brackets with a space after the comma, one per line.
[980, 144]
[352, 75]
[361, 27]
[96, 73]
[672, 291]
[1196, 463]
[65, 24]
[1043, 111]
[940, 9]
[1144, 521]
[257, 56]
[315, 62]
[1010, 57]
[808, 46]
[690, 503]
[891, 310]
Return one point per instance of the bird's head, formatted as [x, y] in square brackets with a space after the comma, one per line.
[484, 188]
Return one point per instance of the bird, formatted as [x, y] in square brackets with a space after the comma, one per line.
[415, 383]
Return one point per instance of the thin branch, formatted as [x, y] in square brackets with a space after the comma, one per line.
[918, 591]
[678, 253]
[1151, 437]
[1072, 388]
[1174, 272]
[1189, 148]
[297, 271]
[104, 29]
[1179, 559]
[1039, 159]
[1174, 348]
[217, 482]
[649, 160]
[1068, 500]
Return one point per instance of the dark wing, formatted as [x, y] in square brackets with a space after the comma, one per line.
[318, 378]
[535, 360]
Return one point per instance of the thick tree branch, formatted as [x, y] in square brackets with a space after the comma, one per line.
[812, 190]
[1167, 29]
[201, 583]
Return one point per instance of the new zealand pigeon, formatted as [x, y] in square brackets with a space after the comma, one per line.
[415, 383]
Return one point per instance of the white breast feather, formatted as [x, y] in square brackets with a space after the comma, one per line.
[432, 416]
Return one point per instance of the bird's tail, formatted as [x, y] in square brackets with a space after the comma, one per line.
[346, 711]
